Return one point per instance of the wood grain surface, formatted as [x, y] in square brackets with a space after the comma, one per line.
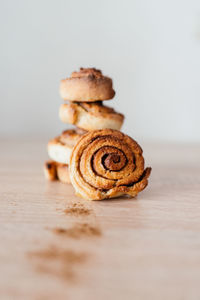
[148, 247]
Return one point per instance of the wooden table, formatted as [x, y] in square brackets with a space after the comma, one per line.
[149, 247]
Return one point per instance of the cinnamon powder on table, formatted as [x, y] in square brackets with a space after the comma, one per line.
[78, 231]
[61, 263]
[78, 209]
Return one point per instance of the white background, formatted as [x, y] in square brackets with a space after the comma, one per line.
[151, 49]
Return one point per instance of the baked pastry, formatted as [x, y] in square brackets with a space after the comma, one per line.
[50, 171]
[90, 116]
[63, 173]
[56, 171]
[106, 164]
[60, 148]
[87, 85]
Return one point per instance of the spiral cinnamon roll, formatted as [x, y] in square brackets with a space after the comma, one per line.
[90, 116]
[56, 171]
[87, 85]
[106, 164]
[60, 148]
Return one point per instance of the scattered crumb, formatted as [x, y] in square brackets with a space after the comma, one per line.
[78, 209]
[60, 263]
[78, 231]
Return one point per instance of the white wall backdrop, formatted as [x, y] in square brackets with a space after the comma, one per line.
[151, 48]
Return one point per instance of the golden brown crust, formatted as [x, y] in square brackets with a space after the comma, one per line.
[60, 148]
[87, 85]
[56, 171]
[106, 164]
[71, 136]
[90, 116]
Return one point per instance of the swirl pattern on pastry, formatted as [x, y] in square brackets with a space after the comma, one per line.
[56, 171]
[60, 148]
[90, 116]
[88, 85]
[107, 164]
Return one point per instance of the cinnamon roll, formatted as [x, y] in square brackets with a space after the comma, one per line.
[90, 116]
[56, 171]
[50, 172]
[60, 148]
[107, 164]
[63, 173]
[87, 85]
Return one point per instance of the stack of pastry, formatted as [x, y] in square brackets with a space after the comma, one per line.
[83, 93]
[103, 162]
